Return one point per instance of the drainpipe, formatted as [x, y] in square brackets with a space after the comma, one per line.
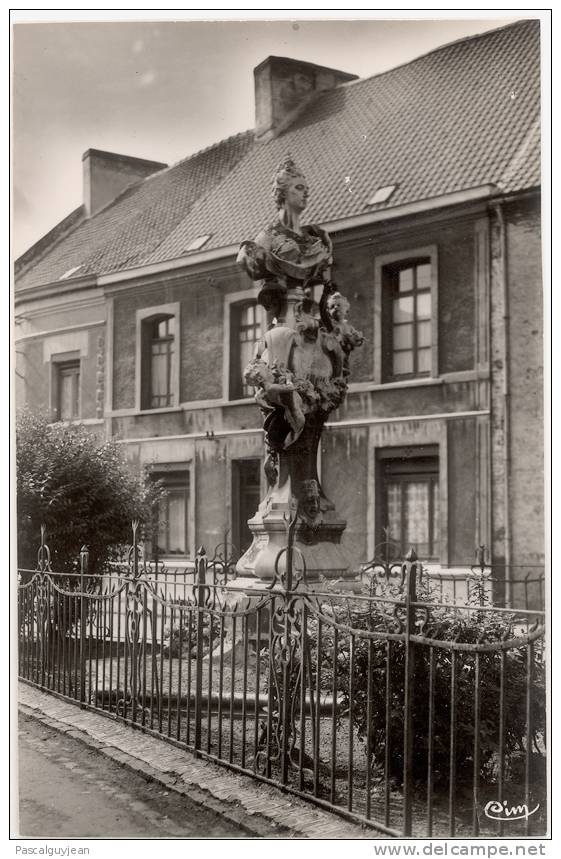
[498, 209]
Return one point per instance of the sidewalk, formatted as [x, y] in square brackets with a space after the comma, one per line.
[258, 808]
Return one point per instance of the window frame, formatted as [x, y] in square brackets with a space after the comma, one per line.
[232, 302]
[176, 476]
[143, 363]
[60, 362]
[418, 463]
[381, 300]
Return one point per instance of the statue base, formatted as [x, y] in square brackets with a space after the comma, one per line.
[317, 548]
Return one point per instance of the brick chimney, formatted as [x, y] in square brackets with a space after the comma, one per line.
[107, 174]
[283, 89]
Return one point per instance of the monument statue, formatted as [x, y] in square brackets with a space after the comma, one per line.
[299, 372]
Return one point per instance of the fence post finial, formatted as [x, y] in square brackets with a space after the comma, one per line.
[44, 553]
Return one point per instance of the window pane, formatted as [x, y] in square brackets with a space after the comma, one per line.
[246, 353]
[424, 334]
[245, 333]
[161, 352]
[393, 507]
[248, 314]
[417, 516]
[424, 360]
[403, 309]
[159, 375]
[176, 523]
[66, 398]
[424, 305]
[402, 363]
[68, 392]
[403, 337]
[435, 519]
[406, 280]
[423, 276]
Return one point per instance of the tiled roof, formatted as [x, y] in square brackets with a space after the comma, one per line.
[462, 116]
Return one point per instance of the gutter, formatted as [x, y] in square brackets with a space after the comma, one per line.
[482, 192]
[498, 209]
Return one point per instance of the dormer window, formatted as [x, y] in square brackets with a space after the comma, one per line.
[71, 272]
[382, 195]
[197, 244]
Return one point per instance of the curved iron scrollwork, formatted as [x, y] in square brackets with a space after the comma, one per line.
[280, 732]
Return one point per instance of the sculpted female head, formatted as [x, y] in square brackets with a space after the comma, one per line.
[289, 185]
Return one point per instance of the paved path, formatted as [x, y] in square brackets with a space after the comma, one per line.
[259, 809]
[70, 791]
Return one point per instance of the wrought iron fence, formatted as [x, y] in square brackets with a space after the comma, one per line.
[415, 716]
[523, 587]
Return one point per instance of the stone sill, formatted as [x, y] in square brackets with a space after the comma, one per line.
[80, 421]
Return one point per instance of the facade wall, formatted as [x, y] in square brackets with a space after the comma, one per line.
[525, 347]
[344, 478]
[482, 413]
[201, 309]
[454, 240]
[348, 452]
[38, 356]
[517, 420]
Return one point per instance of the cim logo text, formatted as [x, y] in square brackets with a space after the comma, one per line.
[496, 810]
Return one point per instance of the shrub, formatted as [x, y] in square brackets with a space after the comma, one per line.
[81, 487]
[446, 625]
[179, 641]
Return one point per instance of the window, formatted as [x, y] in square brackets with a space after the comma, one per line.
[407, 295]
[68, 390]
[161, 352]
[197, 244]
[158, 381]
[173, 512]
[406, 316]
[245, 333]
[410, 509]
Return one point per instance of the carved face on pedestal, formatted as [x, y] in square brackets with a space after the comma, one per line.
[310, 498]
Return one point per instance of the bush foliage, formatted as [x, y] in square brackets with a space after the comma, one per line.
[82, 488]
[444, 624]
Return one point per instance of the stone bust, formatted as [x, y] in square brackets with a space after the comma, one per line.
[286, 253]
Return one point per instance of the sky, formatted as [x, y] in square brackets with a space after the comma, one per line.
[163, 90]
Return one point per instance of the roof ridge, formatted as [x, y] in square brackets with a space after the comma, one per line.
[202, 151]
[461, 39]
[48, 241]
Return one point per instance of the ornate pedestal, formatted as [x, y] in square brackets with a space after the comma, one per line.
[300, 379]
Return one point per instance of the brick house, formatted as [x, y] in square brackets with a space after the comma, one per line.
[132, 315]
